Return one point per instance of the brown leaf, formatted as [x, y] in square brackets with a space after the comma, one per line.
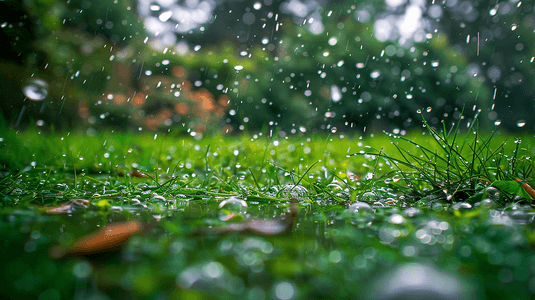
[70, 207]
[110, 237]
[138, 174]
[262, 227]
[527, 188]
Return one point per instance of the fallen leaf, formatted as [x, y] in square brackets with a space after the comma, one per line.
[527, 188]
[262, 227]
[138, 174]
[70, 207]
[110, 237]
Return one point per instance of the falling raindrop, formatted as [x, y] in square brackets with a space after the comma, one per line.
[165, 16]
[36, 89]
[336, 94]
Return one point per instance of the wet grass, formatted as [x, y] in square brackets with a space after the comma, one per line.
[444, 206]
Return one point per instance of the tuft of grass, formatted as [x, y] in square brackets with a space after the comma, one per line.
[458, 165]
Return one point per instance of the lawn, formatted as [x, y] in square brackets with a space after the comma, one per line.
[443, 213]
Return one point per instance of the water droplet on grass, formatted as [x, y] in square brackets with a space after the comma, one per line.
[461, 206]
[232, 209]
[362, 214]
[294, 191]
[396, 219]
[369, 197]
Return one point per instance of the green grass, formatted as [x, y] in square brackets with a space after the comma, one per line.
[444, 202]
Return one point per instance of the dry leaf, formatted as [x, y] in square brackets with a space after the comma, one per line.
[109, 238]
[262, 227]
[527, 188]
[70, 207]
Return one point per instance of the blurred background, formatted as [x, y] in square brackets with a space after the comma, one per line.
[297, 66]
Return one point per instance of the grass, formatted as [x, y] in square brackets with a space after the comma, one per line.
[445, 203]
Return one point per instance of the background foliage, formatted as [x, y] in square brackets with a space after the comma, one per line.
[238, 72]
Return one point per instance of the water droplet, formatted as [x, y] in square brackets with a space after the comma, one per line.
[413, 280]
[412, 212]
[375, 74]
[165, 16]
[461, 206]
[36, 89]
[435, 63]
[369, 197]
[521, 123]
[362, 214]
[238, 68]
[493, 193]
[294, 191]
[284, 291]
[514, 27]
[396, 219]
[336, 94]
[333, 41]
[232, 208]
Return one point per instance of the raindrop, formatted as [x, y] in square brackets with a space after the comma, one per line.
[248, 18]
[461, 206]
[369, 197]
[362, 214]
[375, 74]
[396, 219]
[418, 281]
[294, 191]
[435, 63]
[165, 16]
[232, 208]
[284, 291]
[521, 123]
[238, 68]
[493, 193]
[333, 41]
[514, 27]
[36, 89]
[336, 94]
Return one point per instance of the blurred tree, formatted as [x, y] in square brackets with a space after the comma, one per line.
[294, 64]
